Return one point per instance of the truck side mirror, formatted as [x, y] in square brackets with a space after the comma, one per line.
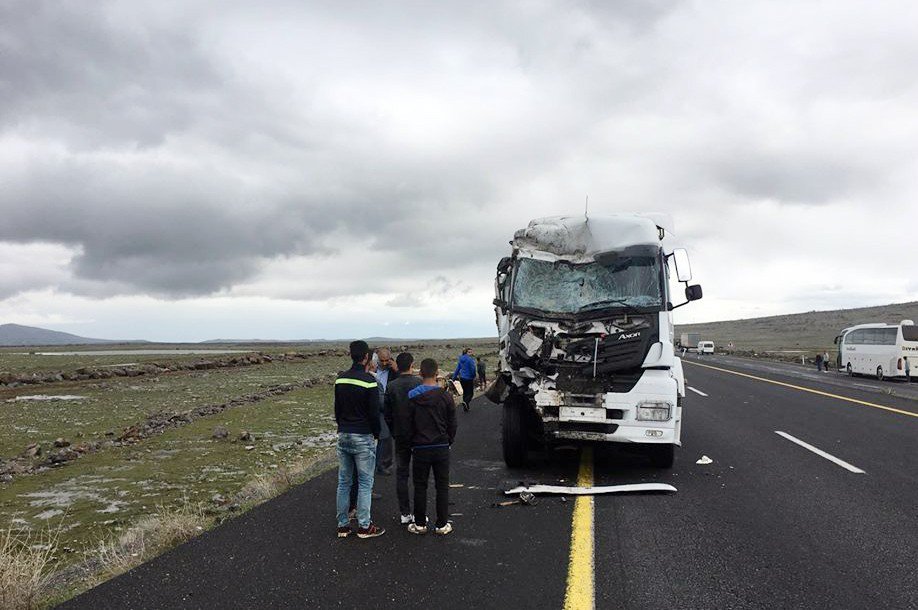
[693, 292]
[683, 266]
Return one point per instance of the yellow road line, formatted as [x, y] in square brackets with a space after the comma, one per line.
[580, 588]
[804, 389]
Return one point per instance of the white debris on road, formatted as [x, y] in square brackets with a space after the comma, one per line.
[704, 460]
[590, 491]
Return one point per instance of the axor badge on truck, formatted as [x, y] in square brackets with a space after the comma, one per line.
[586, 335]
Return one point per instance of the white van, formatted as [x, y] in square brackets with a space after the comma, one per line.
[878, 349]
[705, 347]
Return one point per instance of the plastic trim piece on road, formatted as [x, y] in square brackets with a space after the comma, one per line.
[591, 491]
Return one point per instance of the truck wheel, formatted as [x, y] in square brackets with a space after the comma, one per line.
[662, 456]
[513, 434]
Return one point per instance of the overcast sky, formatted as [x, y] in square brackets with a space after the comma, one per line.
[286, 169]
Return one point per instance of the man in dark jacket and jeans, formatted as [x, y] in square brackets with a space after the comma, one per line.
[396, 412]
[357, 416]
[432, 415]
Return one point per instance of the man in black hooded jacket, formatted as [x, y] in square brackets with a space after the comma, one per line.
[432, 416]
[396, 409]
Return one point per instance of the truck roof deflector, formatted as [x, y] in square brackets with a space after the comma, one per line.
[591, 491]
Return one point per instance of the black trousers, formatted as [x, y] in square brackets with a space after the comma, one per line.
[384, 455]
[468, 390]
[425, 460]
[402, 472]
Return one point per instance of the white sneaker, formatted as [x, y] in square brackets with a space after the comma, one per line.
[444, 530]
[406, 519]
[414, 528]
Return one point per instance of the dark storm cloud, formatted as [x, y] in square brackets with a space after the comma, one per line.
[114, 91]
[75, 70]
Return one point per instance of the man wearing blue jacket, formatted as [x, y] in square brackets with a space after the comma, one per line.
[465, 373]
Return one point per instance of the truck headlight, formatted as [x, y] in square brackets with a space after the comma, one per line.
[652, 410]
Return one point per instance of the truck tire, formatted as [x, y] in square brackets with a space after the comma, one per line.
[662, 456]
[513, 434]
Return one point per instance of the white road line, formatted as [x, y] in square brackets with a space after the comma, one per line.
[699, 392]
[821, 453]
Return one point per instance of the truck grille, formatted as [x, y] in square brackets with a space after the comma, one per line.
[587, 427]
[577, 379]
[616, 352]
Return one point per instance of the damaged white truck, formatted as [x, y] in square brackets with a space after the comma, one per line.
[586, 336]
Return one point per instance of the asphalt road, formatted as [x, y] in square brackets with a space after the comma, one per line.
[768, 524]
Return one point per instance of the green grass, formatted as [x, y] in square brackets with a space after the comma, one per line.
[18, 360]
[113, 404]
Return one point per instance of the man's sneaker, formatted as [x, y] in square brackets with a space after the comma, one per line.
[344, 531]
[444, 530]
[406, 519]
[414, 528]
[371, 531]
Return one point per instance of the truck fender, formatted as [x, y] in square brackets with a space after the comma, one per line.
[679, 376]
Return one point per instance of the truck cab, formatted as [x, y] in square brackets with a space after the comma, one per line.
[583, 310]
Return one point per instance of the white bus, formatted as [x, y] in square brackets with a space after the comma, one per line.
[878, 349]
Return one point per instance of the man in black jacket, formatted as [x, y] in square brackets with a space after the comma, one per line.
[357, 415]
[396, 412]
[432, 415]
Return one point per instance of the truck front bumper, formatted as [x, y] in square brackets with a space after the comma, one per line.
[613, 417]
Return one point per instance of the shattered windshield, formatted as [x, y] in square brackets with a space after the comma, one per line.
[561, 287]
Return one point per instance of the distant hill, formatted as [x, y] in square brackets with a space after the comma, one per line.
[814, 330]
[16, 334]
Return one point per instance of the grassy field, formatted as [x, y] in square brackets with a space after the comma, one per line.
[92, 498]
[44, 360]
[802, 332]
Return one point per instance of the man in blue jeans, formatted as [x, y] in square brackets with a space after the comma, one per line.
[357, 416]
[465, 372]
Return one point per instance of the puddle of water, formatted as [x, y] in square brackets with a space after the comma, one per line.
[113, 507]
[46, 397]
[60, 498]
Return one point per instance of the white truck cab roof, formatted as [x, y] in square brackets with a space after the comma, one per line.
[582, 239]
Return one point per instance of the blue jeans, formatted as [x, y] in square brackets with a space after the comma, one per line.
[356, 453]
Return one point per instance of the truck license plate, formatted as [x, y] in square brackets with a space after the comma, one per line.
[581, 414]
